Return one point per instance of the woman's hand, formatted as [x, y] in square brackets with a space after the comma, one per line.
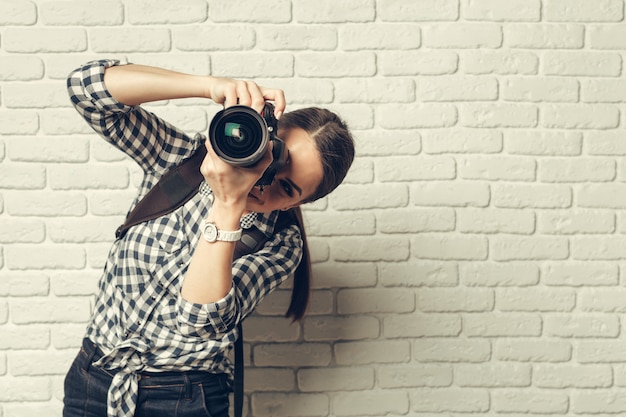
[230, 92]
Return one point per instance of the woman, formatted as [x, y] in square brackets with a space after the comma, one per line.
[169, 300]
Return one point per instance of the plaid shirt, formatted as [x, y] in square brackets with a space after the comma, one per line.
[140, 321]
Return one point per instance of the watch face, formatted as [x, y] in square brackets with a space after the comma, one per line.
[210, 232]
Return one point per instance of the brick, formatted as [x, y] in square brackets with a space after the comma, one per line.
[536, 195]
[584, 10]
[27, 389]
[375, 249]
[580, 116]
[396, 169]
[536, 299]
[360, 196]
[289, 354]
[328, 11]
[319, 251]
[606, 196]
[18, 13]
[290, 404]
[379, 36]
[84, 13]
[549, 143]
[296, 38]
[335, 379]
[462, 35]
[4, 312]
[450, 193]
[437, 400]
[259, 65]
[46, 203]
[527, 248]
[44, 40]
[495, 168]
[536, 90]
[342, 223]
[21, 230]
[357, 116]
[482, 141]
[609, 248]
[415, 376]
[502, 325]
[82, 230]
[21, 68]
[603, 91]
[22, 176]
[498, 115]
[363, 301]
[31, 337]
[600, 351]
[594, 401]
[411, 116]
[584, 326]
[135, 39]
[607, 300]
[509, 274]
[419, 11]
[18, 122]
[493, 375]
[270, 379]
[544, 36]
[67, 335]
[422, 62]
[576, 222]
[268, 329]
[418, 274]
[164, 12]
[91, 176]
[456, 88]
[336, 64]
[451, 350]
[304, 91]
[50, 149]
[505, 62]
[585, 376]
[331, 275]
[580, 274]
[24, 285]
[40, 363]
[453, 300]
[20, 257]
[73, 283]
[370, 403]
[423, 220]
[584, 170]
[494, 10]
[211, 38]
[109, 203]
[530, 401]
[50, 310]
[606, 36]
[535, 351]
[495, 221]
[579, 63]
[375, 90]
[97, 254]
[421, 325]
[372, 352]
[449, 247]
[361, 172]
[58, 121]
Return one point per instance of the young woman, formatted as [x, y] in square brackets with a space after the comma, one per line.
[169, 299]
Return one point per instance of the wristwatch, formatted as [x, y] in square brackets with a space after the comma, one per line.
[211, 233]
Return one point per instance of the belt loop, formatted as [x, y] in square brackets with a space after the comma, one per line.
[90, 350]
[188, 393]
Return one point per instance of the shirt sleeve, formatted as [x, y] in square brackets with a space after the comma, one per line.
[254, 276]
[150, 141]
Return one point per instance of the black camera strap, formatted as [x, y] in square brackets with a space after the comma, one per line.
[175, 188]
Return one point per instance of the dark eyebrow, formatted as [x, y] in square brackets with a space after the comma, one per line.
[294, 185]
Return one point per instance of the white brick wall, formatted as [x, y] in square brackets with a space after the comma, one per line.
[472, 263]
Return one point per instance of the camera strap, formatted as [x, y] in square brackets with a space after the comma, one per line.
[175, 188]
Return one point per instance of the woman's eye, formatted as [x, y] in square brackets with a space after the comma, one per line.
[287, 188]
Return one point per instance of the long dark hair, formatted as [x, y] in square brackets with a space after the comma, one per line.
[335, 145]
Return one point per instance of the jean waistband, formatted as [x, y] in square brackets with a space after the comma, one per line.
[94, 353]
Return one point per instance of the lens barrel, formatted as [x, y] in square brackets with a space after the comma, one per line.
[239, 136]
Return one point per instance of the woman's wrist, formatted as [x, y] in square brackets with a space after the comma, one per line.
[224, 216]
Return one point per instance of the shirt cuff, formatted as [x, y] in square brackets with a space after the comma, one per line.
[95, 88]
[212, 319]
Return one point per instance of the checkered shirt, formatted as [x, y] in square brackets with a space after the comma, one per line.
[140, 321]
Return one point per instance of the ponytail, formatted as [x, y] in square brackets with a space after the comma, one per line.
[302, 276]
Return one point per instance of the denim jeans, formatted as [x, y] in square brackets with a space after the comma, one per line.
[161, 394]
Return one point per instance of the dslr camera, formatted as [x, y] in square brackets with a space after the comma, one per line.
[240, 136]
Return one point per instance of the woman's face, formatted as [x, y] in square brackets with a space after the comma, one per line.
[296, 181]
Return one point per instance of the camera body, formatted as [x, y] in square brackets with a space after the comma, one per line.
[240, 136]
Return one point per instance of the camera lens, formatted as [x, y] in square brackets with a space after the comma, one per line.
[239, 135]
